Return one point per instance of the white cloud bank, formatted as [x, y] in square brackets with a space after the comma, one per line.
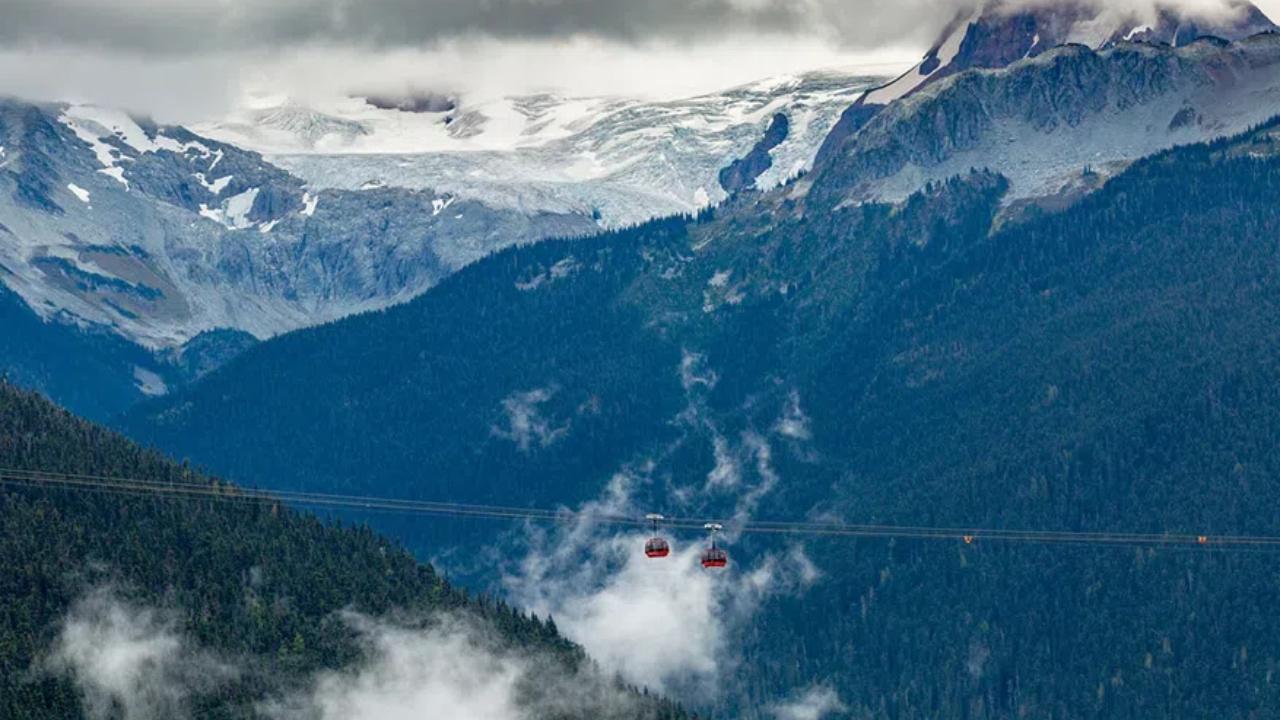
[446, 670]
[135, 662]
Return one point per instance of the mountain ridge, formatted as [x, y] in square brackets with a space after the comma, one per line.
[1042, 120]
[159, 234]
[997, 33]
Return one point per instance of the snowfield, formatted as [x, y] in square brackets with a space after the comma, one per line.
[620, 160]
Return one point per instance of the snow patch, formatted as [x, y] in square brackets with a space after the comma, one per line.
[99, 122]
[915, 77]
[117, 173]
[79, 192]
[149, 383]
[105, 153]
[234, 213]
[92, 123]
[217, 186]
[1141, 29]
[438, 205]
[309, 203]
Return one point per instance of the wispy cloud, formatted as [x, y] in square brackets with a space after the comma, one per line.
[526, 424]
[794, 423]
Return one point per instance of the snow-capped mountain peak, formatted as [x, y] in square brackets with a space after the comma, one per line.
[999, 33]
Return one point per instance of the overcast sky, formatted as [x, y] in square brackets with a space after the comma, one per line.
[190, 59]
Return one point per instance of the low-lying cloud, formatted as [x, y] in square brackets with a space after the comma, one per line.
[136, 662]
[443, 671]
[663, 624]
[668, 624]
[450, 667]
[131, 661]
[814, 703]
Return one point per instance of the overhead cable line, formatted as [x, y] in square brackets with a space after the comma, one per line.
[229, 493]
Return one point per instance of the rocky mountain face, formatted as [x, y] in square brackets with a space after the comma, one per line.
[742, 173]
[159, 234]
[997, 34]
[1055, 124]
[1002, 33]
[92, 369]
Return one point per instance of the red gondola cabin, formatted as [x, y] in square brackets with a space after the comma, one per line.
[714, 557]
[656, 547]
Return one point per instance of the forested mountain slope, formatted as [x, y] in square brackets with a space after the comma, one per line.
[95, 372]
[1109, 367]
[134, 606]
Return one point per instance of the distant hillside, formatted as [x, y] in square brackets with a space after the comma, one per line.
[258, 593]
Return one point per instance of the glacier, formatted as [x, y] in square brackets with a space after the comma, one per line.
[619, 160]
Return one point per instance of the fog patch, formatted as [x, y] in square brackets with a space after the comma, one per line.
[131, 661]
[525, 423]
[813, 703]
[448, 669]
[694, 372]
[794, 423]
[725, 473]
[668, 624]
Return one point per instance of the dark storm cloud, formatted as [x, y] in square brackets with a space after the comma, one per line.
[184, 26]
[194, 26]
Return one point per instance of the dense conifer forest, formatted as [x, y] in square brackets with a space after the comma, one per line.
[262, 584]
